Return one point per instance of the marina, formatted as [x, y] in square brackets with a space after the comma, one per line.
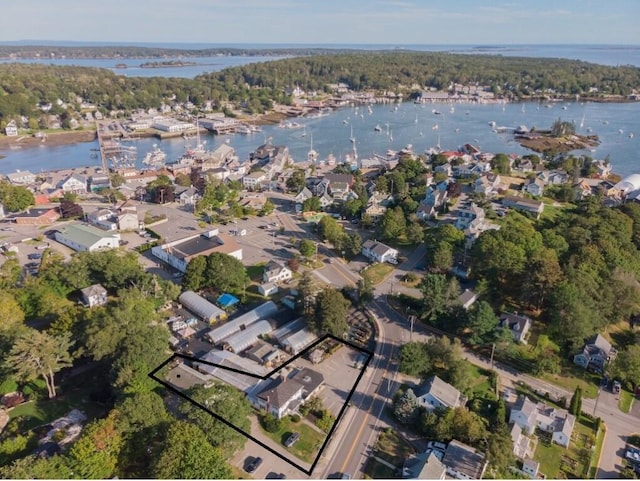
[339, 133]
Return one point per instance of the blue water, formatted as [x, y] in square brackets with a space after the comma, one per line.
[408, 124]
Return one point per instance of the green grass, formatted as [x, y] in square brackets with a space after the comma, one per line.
[392, 448]
[306, 447]
[625, 402]
[597, 452]
[555, 460]
[481, 384]
[377, 272]
[549, 457]
[573, 376]
[255, 272]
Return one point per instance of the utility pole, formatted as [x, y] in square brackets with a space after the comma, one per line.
[595, 406]
[412, 319]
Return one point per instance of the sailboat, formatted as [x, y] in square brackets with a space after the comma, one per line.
[416, 120]
[522, 108]
[582, 121]
[304, 131]
[390, 136]
[312, 155]
[352, 138]
[377, 128]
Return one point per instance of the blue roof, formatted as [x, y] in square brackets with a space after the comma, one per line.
[226, 300]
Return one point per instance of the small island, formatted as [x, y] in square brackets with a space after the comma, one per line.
[167, 63]
[562, 137]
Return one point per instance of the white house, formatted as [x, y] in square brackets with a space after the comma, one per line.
[82, 237]
[283, 395]
[255, 179]
[74, 184]
[21, 177]
[128, 221]
[275, 272]
[435, 393]
[94, 295]
[535, 187]
[530, 415]
[378, 252]
[11, 130]
[268, 289]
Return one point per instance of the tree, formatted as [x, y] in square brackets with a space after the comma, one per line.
[329, 229]
[34, 467]
[296, 181]
[331, 312]
[325, 420]
[270, 423]
[36, 353]
[405, 408]
[225, 273]
[575, 406]
[11, 314]
[414, 360]
[482, 323]
[439, 294]
[194, 275]
[393, 224]
[307, 290]
[71, 210]
[501, 164]
[226, 402]
[415, 233]
[312, 204]
[186, 454]
[95, 454]
[267, 208]
[307, 248]
[14, 197]
[627, 366]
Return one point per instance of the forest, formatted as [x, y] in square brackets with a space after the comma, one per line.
[255, 87]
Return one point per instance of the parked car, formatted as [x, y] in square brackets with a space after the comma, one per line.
[34, 255]
[253, 465]
[42, 247]
[616, 387]
[436, 445]
[292, 439]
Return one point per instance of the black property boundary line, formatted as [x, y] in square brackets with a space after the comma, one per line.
[308, 472]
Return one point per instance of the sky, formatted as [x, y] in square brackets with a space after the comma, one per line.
[401, 22]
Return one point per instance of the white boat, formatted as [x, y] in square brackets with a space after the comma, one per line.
[631, 135]
[243, 129]
[452, 109]
[155, 157]
[304, 132]
[436, 112]
[352, 138]
[255, 128]
[312, 155]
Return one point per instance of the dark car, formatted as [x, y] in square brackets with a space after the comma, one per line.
[34, 255]
[292, 439]
[253, 465]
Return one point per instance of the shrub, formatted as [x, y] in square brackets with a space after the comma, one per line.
[325, 420]
[295, 418]
[7, 386]
[270, 423]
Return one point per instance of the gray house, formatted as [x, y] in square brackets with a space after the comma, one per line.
[435, 393]
[518, 325]
[595, 354]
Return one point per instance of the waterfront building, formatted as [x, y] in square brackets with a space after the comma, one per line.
[21, 177]
[171, 125]
[83, 237]
[11, 130]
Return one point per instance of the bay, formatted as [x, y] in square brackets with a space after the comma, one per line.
[409, 123]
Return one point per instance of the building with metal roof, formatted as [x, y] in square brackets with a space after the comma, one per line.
[220, 365]
[201, 307]
[246, 338]
[297, 341]
[263, 311]
[289, 328]
[82, 237]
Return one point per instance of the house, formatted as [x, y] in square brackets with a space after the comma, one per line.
[582, 189]
[424, 466]
[283, 395]
[466, 215]
[275, 272]
[467, 298]
[595, 353]
[435, 393]
[530, 415]
[523, 445]
[40, 216]
[94, 295]
[187, 195]
[534, 187]
[11, 130]
[522, 203]
[82, 237]
[74, 184]
[379, 252]
[255, 180]
[518, 325]
[21, 177]
[303, 195]
[128, 221]
[530, 468]
[268, 289]
[463, 462]
[265, 354]
[486, 184]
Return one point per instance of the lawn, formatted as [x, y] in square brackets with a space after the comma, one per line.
[255, 272]
[306, 448]
[377, 272]
[595, 458]
[625, 402]
[392, 448]
[481, 384]
[573, 376]
[575, 462]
